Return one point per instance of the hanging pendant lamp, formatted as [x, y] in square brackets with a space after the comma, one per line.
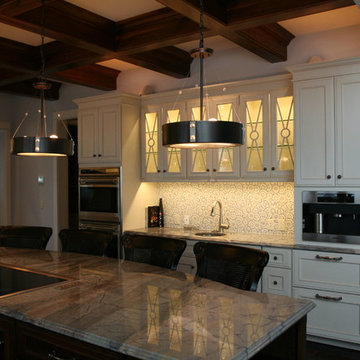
[42, 144]
[204, 133]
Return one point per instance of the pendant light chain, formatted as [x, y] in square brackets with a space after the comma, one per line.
[43, 128]
[201, 47]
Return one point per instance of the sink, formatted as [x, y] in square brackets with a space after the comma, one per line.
[210, 233]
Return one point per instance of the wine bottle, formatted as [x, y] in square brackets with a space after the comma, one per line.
[161, 213]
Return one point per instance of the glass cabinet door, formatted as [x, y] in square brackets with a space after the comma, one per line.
[226, 162]
[151, 125]
[174, 159]
[255, 151]
[282, 114]
[200, 159]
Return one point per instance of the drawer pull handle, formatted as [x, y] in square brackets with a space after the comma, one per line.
[328, 258]
[275, 258]
[53, 356]
[275, 282]
[329, 298]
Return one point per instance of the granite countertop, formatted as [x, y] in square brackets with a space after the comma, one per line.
[146, 311]
[272, 240]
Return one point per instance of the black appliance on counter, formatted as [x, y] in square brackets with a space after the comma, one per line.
[331, 216]
[100, 200]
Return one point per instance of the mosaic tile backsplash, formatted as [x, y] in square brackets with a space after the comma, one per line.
[248, 207]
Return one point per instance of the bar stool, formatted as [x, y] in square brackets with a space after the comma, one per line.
[237, 266]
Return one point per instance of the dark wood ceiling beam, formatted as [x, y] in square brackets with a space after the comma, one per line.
[94, 75]
[26, 88]
[273, 46]
[16, 56]
[169, 61]
[158, 29]
[244, 14]
[16, 7]
[78, 27]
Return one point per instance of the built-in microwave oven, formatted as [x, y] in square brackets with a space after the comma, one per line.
[331, 216]
[100, 194]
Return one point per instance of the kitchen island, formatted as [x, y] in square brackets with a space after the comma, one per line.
[145, 312]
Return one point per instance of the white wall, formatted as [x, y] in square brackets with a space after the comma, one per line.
[33, 203]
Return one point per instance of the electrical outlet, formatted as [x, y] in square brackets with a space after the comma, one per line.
[186, 219]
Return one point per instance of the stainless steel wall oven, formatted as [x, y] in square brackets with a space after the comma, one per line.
[100, 194]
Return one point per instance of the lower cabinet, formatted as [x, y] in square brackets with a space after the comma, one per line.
[21, 341]
[336, 315]
[7, 338]
[276, 277]
[332, 281]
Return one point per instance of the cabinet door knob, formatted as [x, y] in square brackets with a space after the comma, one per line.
[275, 282]
[273, 168]
[94, 155]
[328, 177]
[164, 170]
[265, 169]
[207, 170]
[99, 155]
[275, 257]
[159, 171]
[339, 176]
[214, 169]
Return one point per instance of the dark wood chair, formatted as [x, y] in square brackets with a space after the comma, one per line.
[237, 266]
[31, 237]
[90, 242]
[160, 251]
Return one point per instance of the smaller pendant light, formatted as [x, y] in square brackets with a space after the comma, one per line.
[203, 133]
[41, 145]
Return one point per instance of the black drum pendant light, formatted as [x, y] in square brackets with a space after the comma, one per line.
[41, 144]
[203, 133]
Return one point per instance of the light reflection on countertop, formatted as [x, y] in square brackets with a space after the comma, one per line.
[145, 311]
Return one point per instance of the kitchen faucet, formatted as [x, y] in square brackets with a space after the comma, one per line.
[221, 226]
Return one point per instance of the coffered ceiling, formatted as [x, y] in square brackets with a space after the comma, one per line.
[90, 42]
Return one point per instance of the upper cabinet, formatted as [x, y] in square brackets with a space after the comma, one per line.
[269, 135]
[264, 106]
[159, 162]
[327, 123]
[100, 127]
[214, 163]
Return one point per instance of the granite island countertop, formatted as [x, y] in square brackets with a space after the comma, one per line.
[250, 239]
[145, 311]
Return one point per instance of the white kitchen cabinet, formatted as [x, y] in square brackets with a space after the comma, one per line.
[276, 277]
[99, 135]
[269, 135]
[332, 281]
[158, 162]
[327, 123]
[266, 110]
[100, 127]
[221, 163]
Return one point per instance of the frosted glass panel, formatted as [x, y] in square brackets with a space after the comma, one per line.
[285, 133]
[151, 142]
[198, 157]
[225, 156]
[254, 135]
[173, 155]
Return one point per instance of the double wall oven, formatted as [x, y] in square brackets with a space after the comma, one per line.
[100, 199]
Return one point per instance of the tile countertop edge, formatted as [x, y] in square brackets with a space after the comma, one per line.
[251, 239]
